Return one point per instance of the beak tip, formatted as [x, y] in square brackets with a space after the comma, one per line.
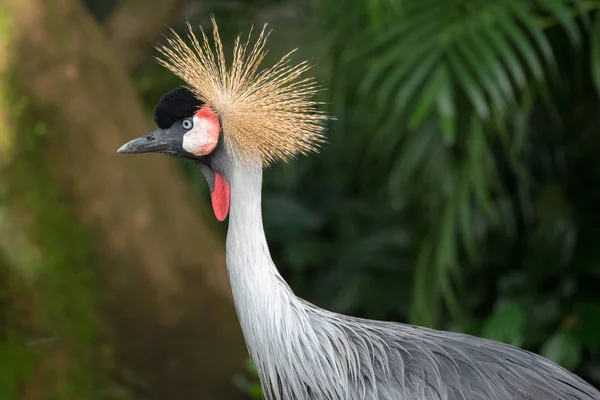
[125, 149]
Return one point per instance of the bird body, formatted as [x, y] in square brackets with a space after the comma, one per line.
[305, 352]
[302, 351]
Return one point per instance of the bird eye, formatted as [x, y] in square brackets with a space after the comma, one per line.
[186, 124]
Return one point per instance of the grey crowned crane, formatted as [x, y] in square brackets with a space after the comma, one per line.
[232, 121]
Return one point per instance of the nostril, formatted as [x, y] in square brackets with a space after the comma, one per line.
[150, 138]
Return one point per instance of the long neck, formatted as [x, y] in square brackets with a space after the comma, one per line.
[262, 298]
[287, 337]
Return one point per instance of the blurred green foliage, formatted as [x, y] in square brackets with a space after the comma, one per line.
[459, 188]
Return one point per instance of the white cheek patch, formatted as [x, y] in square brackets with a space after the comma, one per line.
[202, 138]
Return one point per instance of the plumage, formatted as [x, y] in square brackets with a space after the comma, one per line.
[302, 351]
[305, 352]
[266, 113]
[175, 105]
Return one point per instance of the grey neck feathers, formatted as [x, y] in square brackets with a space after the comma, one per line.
[255, 281]
[262, 298]
[289, 351]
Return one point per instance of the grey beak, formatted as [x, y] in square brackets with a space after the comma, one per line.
[159, 141]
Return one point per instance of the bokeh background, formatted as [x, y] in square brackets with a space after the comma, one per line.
[459, 188]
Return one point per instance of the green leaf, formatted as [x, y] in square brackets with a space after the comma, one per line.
[482, 71]
[595, 53]
[582, 10]
[522, 42]
[507, 325]
[415, 150]
[255, 391]
[588, 325]
[479, 155]
[473, 91]
[563, 15]
[414, 82]
[393, 34]
[564, 349]
[446, 264]
[501, 76]
[424, 310]
[430, 93]
[465, 222]
[14, 366]
[374, 9]
[399, 59]
[527, 18]
[506, 51]
[446, 107]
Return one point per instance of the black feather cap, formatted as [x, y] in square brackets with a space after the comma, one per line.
[175, 105]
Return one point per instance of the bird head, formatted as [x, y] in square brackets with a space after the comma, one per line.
[189, 129]
[232, 113]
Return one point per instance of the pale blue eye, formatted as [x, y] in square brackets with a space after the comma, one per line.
[186, 124]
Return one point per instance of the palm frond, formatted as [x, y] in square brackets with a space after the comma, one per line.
[466, 67]
[492, 50]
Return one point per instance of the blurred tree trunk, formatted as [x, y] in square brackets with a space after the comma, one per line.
[137, 24]
[108, 249]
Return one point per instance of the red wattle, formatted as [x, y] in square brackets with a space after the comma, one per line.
[220, 197]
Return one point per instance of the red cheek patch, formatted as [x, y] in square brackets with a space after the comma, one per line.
[204, 136]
